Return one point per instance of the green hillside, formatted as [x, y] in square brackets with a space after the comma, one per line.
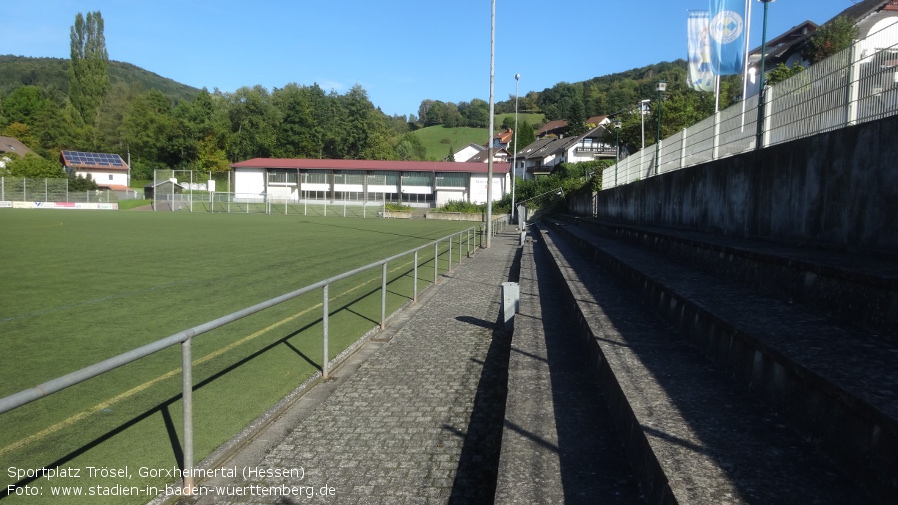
[52, 74]
[438, 139]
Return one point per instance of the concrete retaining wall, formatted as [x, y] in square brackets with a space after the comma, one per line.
[836, 190]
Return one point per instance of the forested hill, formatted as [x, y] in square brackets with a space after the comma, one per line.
[52, 74]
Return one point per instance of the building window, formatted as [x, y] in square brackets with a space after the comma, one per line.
[110, 177]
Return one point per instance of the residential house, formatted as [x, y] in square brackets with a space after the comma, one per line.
[12, 145]
[555, 128]
[597, 121]
[504, 139]
[109, 171]
[542, 156]
[499, 154]
[876, 20]
[467, 152]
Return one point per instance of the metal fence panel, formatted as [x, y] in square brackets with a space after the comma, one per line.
[855, 85]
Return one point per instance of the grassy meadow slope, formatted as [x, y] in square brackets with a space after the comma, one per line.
[438, 139]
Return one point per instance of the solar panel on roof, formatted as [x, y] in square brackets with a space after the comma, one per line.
[93, 159]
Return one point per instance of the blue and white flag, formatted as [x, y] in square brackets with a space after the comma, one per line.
[701, 74]
[727, 33]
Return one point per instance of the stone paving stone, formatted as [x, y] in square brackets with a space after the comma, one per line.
[420, 421]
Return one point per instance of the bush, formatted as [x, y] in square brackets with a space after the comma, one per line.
[462, 206]
[397, 207]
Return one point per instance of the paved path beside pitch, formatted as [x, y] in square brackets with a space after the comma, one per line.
[421, 419]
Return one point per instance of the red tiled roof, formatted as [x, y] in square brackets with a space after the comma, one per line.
[504, 136]
[398, 166]
[552, 126]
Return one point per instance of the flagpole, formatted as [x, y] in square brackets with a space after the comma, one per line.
[716, 94]
[747, 50]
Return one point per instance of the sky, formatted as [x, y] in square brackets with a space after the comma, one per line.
[400, 51]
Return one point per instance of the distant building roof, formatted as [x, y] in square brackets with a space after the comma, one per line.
[556, 127]
[13, 145]
[504, 137]
[483, 156]
[397, 166]
[864, 8]
[101, 161]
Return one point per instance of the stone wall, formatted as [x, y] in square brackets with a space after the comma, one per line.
[835, 190]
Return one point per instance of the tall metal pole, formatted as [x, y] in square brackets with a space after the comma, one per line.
[762, 93]
[617, 125]
[661, 87]
[489, 176]
[643, 105]
[514, 156]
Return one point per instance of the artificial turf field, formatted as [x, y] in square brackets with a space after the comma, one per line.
[78, 287]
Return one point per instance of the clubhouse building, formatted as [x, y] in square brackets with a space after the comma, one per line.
[415, 183]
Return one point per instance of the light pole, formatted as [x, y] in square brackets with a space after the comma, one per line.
[617, 126]
[489, 143]
[643, 109]
[762, 93]
[514, 156]
[661, 87]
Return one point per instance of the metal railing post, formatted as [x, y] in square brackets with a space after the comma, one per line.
[415, 281]
[468, 241]
[324, 326]
[383, 298]
[436, 259]
[187, 399]
[459, 248]
[449, 267]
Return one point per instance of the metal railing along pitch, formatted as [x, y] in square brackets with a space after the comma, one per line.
[184, 338]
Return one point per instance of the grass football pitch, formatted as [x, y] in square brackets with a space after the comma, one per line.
[79, 287]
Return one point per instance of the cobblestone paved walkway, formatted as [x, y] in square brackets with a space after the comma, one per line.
[419, 422]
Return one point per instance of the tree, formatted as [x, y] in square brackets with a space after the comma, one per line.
[253, 124]
[526, 135]
[34, 166]
[22, 132]
[299, 134]
[830, 38]
[410, 148]
[23, 105]
[782, 72]
[149, 127]
[82, 183]
[476, 113]
[89, 65]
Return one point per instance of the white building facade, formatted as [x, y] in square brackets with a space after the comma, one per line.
[415, 183]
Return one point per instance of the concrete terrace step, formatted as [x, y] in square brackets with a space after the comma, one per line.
[558, 442]
[860, 289]
[834, 382]
[690, 434]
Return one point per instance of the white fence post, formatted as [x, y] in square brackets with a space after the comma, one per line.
[683, 149]
[854, 75]
[768, 115]
[715, 151]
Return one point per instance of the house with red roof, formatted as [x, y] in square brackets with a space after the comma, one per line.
[416, 183]
[109, 171]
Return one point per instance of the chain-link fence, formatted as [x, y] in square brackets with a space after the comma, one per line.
[25, 189]
[183, 190]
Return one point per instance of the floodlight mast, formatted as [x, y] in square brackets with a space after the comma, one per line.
[489, 150]
[514, 156]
